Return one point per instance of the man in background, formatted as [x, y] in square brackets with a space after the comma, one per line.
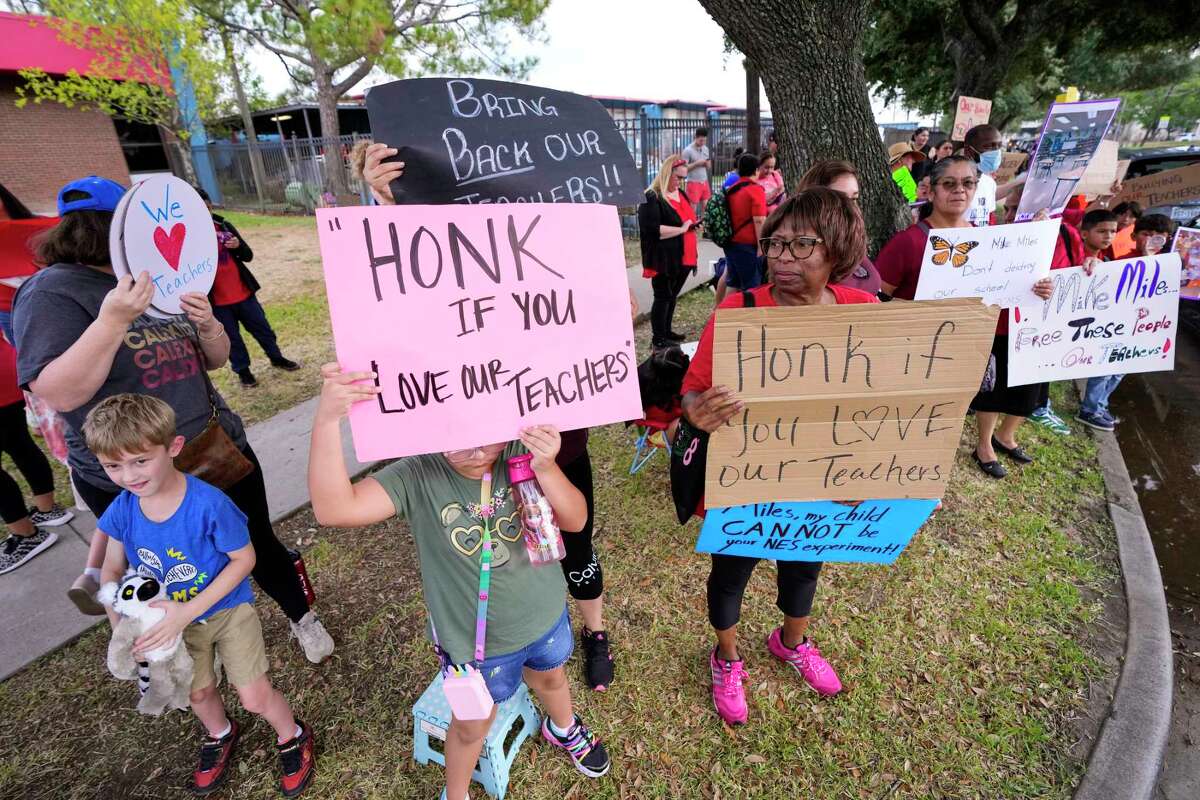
[698, 165]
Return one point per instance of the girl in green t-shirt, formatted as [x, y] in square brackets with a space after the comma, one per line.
[528, 634]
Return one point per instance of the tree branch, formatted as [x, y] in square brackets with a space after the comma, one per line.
[979, 20]
[360, 72]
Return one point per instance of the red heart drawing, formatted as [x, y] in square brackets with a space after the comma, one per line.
[170, 244]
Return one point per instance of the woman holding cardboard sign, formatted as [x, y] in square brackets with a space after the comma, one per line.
[953, 181]
[83, 335]
[810, 242]
[581, 567]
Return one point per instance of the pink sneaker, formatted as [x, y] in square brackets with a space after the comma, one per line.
[807, 660]
[728, 695]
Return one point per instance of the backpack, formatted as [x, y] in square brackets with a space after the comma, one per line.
[718, 220]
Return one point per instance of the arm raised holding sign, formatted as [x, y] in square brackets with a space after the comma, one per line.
[379, 175]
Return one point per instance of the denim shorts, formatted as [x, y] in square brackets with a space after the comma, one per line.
[503, 675]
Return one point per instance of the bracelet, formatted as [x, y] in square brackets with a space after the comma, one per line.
[212, 338]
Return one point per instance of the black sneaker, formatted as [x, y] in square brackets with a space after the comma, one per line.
[247, 378]
[285, 364]
[676, 337]
[57, 515]
[585, 750]
[597, 661]
[16, 550]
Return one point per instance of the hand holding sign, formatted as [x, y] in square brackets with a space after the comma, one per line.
[341, 390]
[379, 174]
[128, 301]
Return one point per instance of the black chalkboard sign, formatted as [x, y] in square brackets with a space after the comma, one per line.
[468, 140]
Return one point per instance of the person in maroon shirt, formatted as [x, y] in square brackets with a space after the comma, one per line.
[841, 176]
[233, 301]
[953, 182]
[813, 239]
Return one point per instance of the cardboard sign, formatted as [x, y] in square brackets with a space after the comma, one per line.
[16, 251]
[998, 263]
[971, 111]
[163, 227]
[1010, 163]
[479, 321]
[844, 402]
[1124, 318]
[1187, 247]
[874, 532]
[1101, 171]
[1162, 188]
[469, 140]
[1070, 137]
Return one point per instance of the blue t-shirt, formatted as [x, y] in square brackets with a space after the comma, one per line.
[189, 549]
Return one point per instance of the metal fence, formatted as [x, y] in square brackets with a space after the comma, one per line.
[296, 173]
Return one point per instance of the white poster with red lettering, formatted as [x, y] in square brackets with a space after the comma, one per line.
[1123, 318]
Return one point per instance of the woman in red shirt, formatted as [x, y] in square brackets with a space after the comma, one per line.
[952, 182]
[813, 240]
[667, 224]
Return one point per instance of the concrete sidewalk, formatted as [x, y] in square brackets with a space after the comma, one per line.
[39, 618]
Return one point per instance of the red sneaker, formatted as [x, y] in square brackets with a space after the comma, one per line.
[215, 755]
[298, 762]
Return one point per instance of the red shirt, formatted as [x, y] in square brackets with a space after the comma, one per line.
[899, 262]
[699, 374]
[228, 287]
[683, 208]
[10, 392]
[16, 253]
[748, 202]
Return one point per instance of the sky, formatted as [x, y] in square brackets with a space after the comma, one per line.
[654, 49]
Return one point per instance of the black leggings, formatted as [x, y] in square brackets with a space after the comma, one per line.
[30, 460]
[585, 579]
[797, 582]
[666, 286]
[274, 571]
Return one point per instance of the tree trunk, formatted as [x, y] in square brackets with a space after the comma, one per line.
[327, 101]
[753, 110]
[811, 63]
[256, 165]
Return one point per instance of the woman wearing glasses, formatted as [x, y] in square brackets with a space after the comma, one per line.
[953, 181]
[667, 224]
[812, 241]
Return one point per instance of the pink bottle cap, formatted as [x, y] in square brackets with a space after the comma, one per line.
[520, 469]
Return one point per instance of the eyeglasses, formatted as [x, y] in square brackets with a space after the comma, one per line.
[471, 453]
[801, 247]
[950, 185]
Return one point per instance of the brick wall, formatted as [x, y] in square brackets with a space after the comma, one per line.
[44, 146]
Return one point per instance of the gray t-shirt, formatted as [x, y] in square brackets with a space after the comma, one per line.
[692, 153]
[156, 357]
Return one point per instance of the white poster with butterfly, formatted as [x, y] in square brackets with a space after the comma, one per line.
[998, 264]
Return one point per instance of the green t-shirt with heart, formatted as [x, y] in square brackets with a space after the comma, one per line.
[442, 509]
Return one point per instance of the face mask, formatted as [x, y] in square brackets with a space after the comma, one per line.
[989, 162]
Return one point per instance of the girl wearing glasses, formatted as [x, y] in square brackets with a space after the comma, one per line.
[953, 181]
[810, 242]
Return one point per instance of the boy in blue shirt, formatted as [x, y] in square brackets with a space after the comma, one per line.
[194, 541]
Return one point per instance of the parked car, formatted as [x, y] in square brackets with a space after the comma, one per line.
[1149, 162]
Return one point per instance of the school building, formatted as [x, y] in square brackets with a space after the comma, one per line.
[43, 146]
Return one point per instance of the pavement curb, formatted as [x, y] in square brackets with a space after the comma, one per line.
[1126, 760]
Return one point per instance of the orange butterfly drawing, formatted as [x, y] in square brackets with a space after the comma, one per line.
[943, 251]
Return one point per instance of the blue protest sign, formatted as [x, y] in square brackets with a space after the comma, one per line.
[874, 532]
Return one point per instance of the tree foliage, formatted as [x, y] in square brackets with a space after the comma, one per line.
[1020, 54]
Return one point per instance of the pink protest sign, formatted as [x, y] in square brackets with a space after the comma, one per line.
[479, 320]
[163, 227]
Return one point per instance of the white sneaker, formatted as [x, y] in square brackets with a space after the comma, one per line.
[314, 639]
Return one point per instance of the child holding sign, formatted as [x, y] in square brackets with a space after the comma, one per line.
[517, 620]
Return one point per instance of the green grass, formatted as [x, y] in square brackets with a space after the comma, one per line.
[246, 221]
[966, 663]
